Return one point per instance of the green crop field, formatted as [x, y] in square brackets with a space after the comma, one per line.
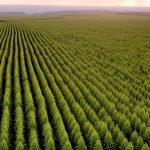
[75, 82]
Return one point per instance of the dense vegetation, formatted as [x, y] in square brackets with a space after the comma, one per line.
[75, 83]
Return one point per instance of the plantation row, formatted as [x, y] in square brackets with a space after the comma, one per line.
[56, 96]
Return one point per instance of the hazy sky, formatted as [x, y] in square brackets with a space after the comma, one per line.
[81, 2]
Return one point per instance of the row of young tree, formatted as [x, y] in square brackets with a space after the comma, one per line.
[6, 91]
[76, 96]
[124, 118]
[51, 98]
[87, 129]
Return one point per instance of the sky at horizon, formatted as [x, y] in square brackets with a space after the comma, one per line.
[128, 3]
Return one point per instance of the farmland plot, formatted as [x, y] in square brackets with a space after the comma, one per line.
[75, 83]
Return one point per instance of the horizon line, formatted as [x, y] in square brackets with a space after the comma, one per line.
[73, 5]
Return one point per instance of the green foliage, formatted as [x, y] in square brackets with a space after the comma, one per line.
[139, 143]
[75, 83]
[98, 146]
[108, 142]
[126, 128]
[147, 135]
[145, 147]
[3, 145]
[129, 147]
[134, 137]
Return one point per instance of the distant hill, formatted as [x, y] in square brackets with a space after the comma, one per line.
[13, 14]
[24, 10]
[75, 12]
[135, 13]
